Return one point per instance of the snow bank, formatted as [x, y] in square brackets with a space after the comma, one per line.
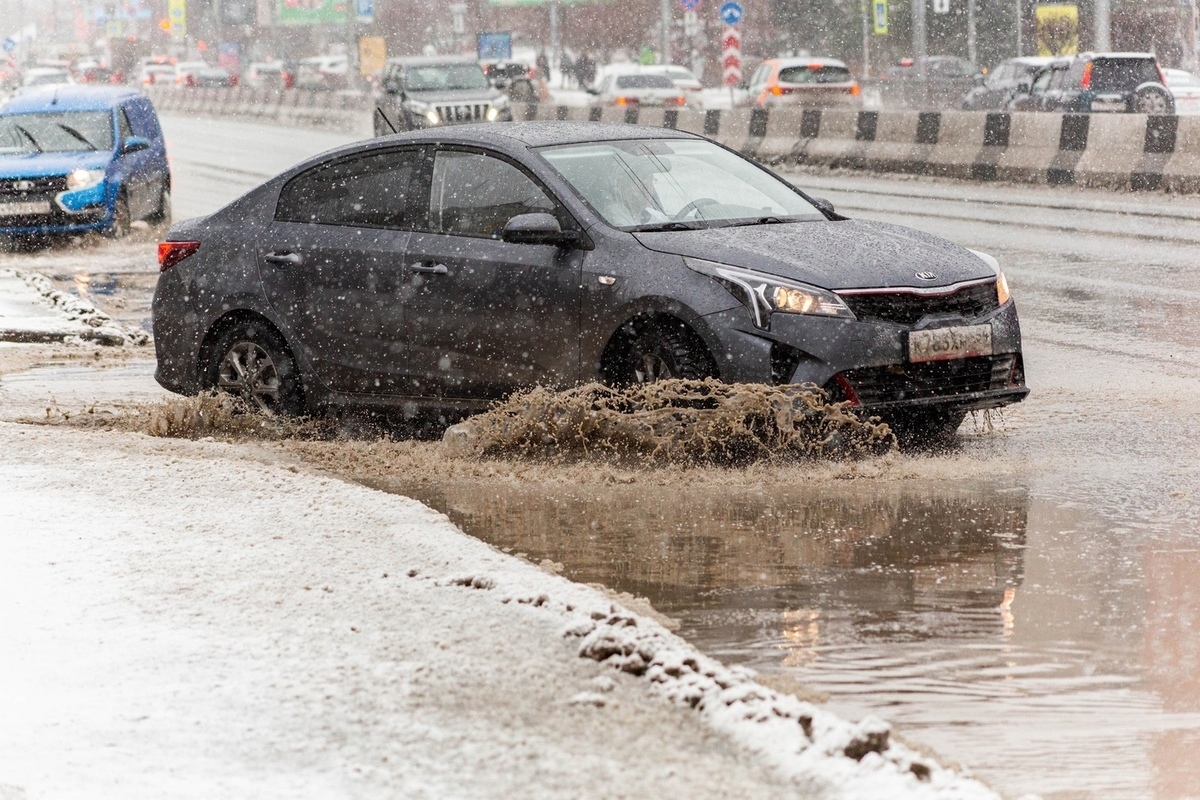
[70, 317]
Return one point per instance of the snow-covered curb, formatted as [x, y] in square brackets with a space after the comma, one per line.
[99, 327]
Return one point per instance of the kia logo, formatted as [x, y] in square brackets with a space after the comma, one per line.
[927, 276]
[24, 186]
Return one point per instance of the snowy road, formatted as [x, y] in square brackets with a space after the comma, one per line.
[1026, 606]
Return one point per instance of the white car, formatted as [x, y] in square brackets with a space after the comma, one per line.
[46, 76]
[639, 89]
[682, 77]
[1185, 88]
[156, 74]
[323, 73]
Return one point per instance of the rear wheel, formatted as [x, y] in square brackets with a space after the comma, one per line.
[251, 361]
[663, 350]
[1153, 100]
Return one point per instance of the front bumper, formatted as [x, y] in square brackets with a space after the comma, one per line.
[76, 211]
[866, 362]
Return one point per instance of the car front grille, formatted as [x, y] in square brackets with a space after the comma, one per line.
[907, 308]
[21, 189]
[897, 383]
[463, 113]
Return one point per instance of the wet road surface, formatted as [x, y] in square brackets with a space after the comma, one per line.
[1027, 605]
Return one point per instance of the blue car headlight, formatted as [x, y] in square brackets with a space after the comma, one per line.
[84, 179]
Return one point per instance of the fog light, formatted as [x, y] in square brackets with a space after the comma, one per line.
[493, 114]
[432, 117]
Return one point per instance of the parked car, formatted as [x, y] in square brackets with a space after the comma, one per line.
[425, 92]
[684, 79]
[98, 74]
[156, 72]
[803, 82]
[1185, 89]
[638, 89]
[478, 260]
[81, 158]
[926, 84]
[269, 75]
[1098, 82]
[996, 89]
[46, 76]
[323, 73]
[519, 81]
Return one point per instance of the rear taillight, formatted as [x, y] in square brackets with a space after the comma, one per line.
[171, 253]
[1162, 76]
[1086, 82]
[626, 101]
[676, 101]
[778, 91]
[233, 80]
[855, 89]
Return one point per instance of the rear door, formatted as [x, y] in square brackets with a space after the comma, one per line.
[483, 316]
[332, 266]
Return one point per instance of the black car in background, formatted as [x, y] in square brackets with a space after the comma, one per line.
[1098, 82]
[995, 90]
[429, 92]
[447, 268]
[927, 83]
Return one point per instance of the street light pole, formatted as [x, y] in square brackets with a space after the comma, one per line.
[919, 43]
[666, 31]
[971, 54]
[1103, 39]
[1019, 22]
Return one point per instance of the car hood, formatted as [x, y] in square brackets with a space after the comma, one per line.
[37, 165]
[455, 96]
[846, 254]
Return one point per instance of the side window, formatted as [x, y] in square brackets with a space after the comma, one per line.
[367, 192]
[1059, 80]
[1042, 81]
[123, 127]
[145, 121]
[476, 195]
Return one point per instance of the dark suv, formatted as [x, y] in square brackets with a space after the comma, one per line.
[1098, 82]
[434, 91]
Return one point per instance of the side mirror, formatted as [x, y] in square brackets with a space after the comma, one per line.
[980, 79]
[537, 228]
[134, 144]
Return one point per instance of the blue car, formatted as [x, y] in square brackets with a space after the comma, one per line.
[78, 158]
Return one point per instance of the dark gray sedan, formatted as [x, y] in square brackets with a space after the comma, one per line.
[443, 269]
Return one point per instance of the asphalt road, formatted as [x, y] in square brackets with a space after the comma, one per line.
[1041, 622]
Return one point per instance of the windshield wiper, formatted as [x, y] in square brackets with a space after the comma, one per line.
[768, 220]
[76, 134]
[673, 225]
[29, 136]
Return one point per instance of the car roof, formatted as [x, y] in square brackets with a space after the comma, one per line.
[430, 61]
[796, 61]
[69, 97]
[538, 134]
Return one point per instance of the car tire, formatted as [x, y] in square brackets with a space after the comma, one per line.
[120, 225]
[664, 350]
[251, 360]
[926, 430]
[1153, 100]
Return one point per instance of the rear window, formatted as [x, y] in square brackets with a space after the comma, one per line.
[1123, 74]
[644, 82]
[811, 74]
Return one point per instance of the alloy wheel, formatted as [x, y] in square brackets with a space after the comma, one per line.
[248, 371]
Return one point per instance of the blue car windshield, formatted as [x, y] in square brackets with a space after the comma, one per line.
[56, 132]
[672, 184]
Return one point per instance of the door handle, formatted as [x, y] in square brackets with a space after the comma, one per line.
[433, 269]
[284, 259]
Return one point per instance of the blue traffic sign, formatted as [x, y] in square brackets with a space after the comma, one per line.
[690, 5]
[365, 9]
[10, 44]
[731, 12]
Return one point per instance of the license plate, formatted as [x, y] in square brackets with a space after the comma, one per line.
[944, 344]
[24, 209]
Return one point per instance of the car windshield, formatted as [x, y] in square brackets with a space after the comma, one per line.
[675, 184]
[816, 73]
[445, 77]
[644, 82]
[63, 132]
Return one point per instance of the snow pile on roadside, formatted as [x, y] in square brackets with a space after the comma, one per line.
[95, 325]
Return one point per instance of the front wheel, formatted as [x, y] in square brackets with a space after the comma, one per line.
[662, 351]
[929, 430]
[161, 219]
[251, 361]
[120, 225]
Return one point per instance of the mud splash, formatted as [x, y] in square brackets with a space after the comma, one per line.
[701, 423]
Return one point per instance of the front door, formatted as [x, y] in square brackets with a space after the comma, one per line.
[332, 266]
[483, 316]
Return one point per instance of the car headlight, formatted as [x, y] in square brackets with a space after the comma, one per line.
[493, 114]
[1002, 293]
[84, 179]
[766, 294]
